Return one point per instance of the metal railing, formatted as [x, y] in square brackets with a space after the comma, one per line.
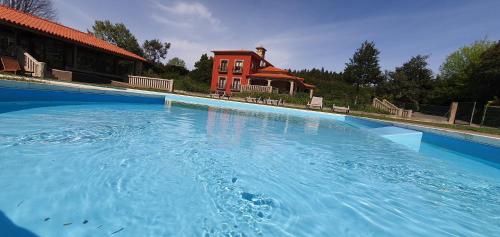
[238, 69]
[152, 83]
[256, 88]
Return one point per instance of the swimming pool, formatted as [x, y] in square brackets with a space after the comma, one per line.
[77, 163]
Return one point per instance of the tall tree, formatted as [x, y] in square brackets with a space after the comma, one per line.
[155, 50]
[363, 68]
[177, 62]
[412, 81]
[455, 72]
[202, 71]
[41, 8]
[117, 34]
[486, 75]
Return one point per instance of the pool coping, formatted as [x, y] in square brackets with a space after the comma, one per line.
[473, 137]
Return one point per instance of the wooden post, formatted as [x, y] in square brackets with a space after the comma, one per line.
[311, 92]
[291, 87]
[75, 51]
[453, 112]
[268, 82]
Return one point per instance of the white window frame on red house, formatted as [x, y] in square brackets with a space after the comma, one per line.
[233, 84]
[224, 84]
[220, 65]
[241, 67]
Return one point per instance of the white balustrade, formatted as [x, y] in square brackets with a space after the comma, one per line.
[256, 88]
[31, 65]
[152, 83]
[387, 106]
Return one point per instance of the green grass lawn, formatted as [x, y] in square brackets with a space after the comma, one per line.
[465, 128]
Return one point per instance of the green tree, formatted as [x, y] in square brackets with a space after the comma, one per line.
[177, 62]
[412, 81]
[117, 34]
[155, 50]
[456, 72]
[363, 68]
[202, 71]
[486, 75]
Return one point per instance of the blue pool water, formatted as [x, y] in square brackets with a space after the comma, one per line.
[74, 163]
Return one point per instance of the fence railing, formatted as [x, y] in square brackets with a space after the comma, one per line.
[256, 88]
[152, 83]
[490, 116]
[31, 65]
[387, 106]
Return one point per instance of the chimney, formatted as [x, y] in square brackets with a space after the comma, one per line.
[261, 51]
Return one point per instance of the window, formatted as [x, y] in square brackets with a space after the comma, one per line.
[223, 65]
[222, 83]
[236, 84]
[238, 66]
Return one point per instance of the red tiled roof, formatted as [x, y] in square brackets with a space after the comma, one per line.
[308, 86]
[272, 69]
[278, 73]
[240, 51]
[29, 21]
[272, 75]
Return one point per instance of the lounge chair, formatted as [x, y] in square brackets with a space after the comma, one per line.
[225, 96]
[251, 99]
[215, 96]
[316, 102]
[9, 64]
[274, 102]
[340, 109]
[268, 101]
[219, 95]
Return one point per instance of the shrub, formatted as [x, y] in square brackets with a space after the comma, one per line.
[188, 84]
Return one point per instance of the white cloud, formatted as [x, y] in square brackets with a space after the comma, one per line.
[189, 51]
[72, 15]
[166, 21]
[187, 13]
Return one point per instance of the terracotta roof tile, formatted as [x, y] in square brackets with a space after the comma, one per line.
[24, 20]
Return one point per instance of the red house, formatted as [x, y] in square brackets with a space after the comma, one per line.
[245, 70]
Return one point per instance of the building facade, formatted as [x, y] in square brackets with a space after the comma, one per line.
[63, 48]
[245, 70]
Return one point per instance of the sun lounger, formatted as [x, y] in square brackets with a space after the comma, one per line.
[274, 102]
[340, 109]
[251, 99]
[316, 102]
[220, 95]
[215, 96]
[9, 64]
[225, 96]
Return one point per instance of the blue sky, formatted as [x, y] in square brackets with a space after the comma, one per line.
[299, 34]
